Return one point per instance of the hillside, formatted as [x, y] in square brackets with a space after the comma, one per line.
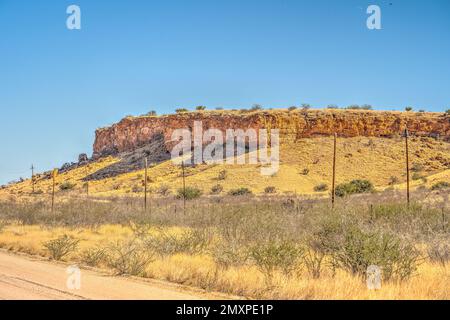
[370, 147]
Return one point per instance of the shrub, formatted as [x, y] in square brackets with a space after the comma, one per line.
[189, 193]
[270, 189]
[137, 189]
[353, 187]
[440, 185]
[276, 255]
[292, 108]
[163, 190]
[305, 171]
[193, 241]
[366, 107]
[200, 108]
[313, 261]
[240, 192]
[360, 249]
[216, 189]
[439, 252]
[222, 175]
[128, 257]
[418, 176]
[416, 167]
[306, 106]
[447, 111]
[408, 109]
[93, 256]
[256, 107]
[67, 185]
[321, 187]
[151, 113]
[226, 255]
[181, 110]
[332, 106]
[393, 180]
[61, 246]
[353, 107]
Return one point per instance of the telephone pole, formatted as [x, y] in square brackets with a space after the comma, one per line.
[32, 177]
[184, 186]
[407, 166]
[145, 184]
[54, 174]
[333, 184]
[87, 181]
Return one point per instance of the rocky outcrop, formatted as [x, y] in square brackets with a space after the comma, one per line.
[135, 132]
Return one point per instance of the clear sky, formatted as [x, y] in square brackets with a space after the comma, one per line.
[58, 85]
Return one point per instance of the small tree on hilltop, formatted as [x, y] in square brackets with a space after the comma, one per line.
[200, 108]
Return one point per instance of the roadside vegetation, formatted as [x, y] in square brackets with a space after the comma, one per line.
[283, 248]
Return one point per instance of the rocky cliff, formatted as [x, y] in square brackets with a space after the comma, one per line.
[135, 132]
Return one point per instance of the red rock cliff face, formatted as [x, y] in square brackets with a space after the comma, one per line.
[131, 133]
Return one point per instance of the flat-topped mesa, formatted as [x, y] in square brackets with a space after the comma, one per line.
[134, 132]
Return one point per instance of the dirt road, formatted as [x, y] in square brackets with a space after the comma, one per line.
[23, 277]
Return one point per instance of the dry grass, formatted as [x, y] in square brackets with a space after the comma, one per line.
[375, 159]
[190, 248]
[431, 282]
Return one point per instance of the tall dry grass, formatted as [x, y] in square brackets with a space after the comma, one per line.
[281, 248]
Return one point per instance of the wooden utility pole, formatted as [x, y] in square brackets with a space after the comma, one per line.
[333, 184]
[407, 165]
[145, 184]
[184, 186]
[87, 181]
[54, 174]
[32, 177]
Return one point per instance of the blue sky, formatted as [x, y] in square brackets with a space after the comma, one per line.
[58, 85]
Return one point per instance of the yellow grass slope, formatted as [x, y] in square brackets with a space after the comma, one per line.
[304, 164]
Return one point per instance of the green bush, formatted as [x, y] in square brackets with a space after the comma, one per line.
[447, 111]
[292, 108]
[200, 108]
[67, 185]
[61, 246]
[222, 175]
[353, 187]
[270, 189]
[216, 189]
[440, 185]
[93, 256]
[181, 110]
[240, 192]
[321, 187]
[418, 176]
[275, 255]
[408, 109]
[128, 257]
[359, 250]
[256, 107]
[189, 193]
[193, 241]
